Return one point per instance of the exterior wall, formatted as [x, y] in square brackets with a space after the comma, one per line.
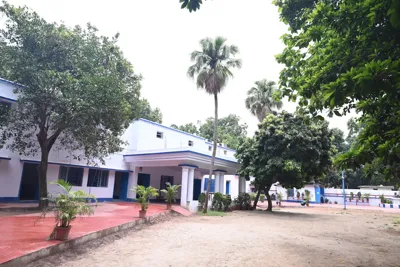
[10, 178]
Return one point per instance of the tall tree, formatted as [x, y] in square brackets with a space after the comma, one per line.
[149, 113]
[189, 128]
[79, 93]
[212, 68]
[285, 149]
[230, 130]
[262, 98]
[342, 55]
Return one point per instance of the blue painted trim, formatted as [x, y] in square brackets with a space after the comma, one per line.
[182, 132]
[10, 82]
[8, 99]
[188, 165]
[5, 158]
[78, 166]
[220, 171]
[174, 152]
[9, 199]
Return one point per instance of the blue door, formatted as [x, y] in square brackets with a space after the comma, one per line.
[143, 179]
[212, 187]
[228, 187]
[123, 190]
[196, 189]
[317, 195]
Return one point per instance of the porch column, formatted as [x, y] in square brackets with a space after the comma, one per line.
[244, 184]
[221, 183]
[216, 182]
[190, 185]
[184, 186]
[202, 183]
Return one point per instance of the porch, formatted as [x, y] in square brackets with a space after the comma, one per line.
[187, 168]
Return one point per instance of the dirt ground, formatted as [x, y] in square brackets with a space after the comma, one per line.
[310, 237]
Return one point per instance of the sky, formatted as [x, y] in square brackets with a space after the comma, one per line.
[157, 37]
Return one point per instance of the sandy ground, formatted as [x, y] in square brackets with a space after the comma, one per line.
[310, 237]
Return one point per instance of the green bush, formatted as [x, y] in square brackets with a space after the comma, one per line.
[243, 201]
[308, 196]
[262, 198]
[227, 201]
[253, 196]
[218, 201]
[202, 200]
[382, 197]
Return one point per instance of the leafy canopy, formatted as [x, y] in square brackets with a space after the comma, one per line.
[79, 91]
[342, 55]
[286, 149]
[262, 98]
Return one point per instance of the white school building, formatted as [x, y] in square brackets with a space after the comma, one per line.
[154, 154]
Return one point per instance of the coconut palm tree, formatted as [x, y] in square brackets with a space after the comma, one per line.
[212, 70]
[260, 99]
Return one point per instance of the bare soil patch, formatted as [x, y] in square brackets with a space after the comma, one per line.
[288, 237]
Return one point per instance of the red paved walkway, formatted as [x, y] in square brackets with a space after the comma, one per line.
[19, 235]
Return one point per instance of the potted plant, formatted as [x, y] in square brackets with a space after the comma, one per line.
[67, 206]
[302, 195]
[366, 195]
[280, 198]
[351, 196]
[359, 196]
[144, 194]
[170, 194]
[298, 195]
[382, 197]
[262, 197]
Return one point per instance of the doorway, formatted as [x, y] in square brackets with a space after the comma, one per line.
[196, 189]
[121, 185]
[29, 189]
[143, 179]
[228, 188]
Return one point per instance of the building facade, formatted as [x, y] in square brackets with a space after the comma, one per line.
[154, 154]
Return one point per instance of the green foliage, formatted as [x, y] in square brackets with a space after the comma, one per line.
[170, 192]
[213, 213]
[366, 196]
[227, 201]
[188, 128]
[344, 55]
[262, 198]
[202, 200]
[147, 112]
[351, 195]
[144, 194]
[253, 196]
[243, 201]
[191, 5]
[78, 92]
[382, 198]
[307, 198]
[285, 149]
[262, 98]
[359, 195]
[217, 202]
[68, 205]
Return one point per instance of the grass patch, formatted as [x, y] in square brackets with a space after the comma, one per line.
[396, 220]
[212, 213]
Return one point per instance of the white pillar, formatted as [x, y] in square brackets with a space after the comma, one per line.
[244, 185]
[190, 185]
[132, 182]
[216, 182]
[184, 186]
[241, 187]
[221, 183]
[202, 183]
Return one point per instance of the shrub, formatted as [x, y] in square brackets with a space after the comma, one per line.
[351, 196]
[170, 193]
[253, 196]
[218, 201]
[144, 194]
[366, 195]
[359, 195]
[202, 200]
[326, 200]
[243, 201]
[308, 196]
[382, 197]
[227, 201]
[262, 197]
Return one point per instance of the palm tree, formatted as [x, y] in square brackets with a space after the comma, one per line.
[260, 99]
[212, 68]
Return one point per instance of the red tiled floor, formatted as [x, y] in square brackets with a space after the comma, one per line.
[23, 234]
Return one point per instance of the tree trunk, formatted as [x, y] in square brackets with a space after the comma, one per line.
[42, 169]
[268, 197]
[214, 151]
[257, 198]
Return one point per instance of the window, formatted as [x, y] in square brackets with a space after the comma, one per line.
[225, 152]
[72, 175]
[190, 143]
[209, 148]
[160, 135]
[97, 178]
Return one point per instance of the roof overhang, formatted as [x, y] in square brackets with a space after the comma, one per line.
[181, 158]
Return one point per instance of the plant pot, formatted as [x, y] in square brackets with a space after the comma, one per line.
[307, 204]
[169, 207]
[62, 233]
[142, 213]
